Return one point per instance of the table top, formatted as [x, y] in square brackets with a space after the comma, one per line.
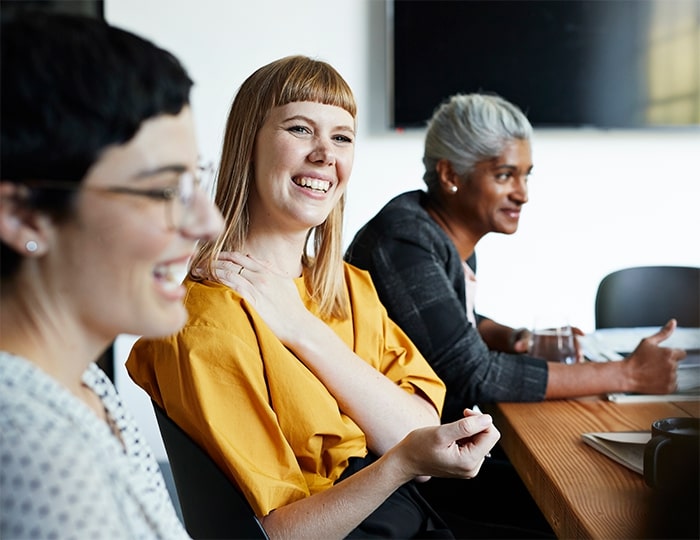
[581, 492]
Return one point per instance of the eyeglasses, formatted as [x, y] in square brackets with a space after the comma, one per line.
[181, 198]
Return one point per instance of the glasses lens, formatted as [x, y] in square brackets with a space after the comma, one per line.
[190, 186]
[205, 179]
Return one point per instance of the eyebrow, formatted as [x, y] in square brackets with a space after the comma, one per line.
[342, 127]
[160, 170]
[512, 167]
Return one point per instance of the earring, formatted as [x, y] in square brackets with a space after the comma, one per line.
[31, 246]
[453, 189]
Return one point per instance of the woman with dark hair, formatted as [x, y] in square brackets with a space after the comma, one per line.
[289, 373]
[100, 208]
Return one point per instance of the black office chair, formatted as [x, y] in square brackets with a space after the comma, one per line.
[212, 505]
[649, 296]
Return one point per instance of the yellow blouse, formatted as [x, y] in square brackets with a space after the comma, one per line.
[268, 422]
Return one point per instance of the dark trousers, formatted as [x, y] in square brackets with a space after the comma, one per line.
[406, 514]
[494, 504]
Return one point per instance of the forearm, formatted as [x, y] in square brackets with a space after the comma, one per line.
[586, 379]
[498, 337]
[335, 512]
[455, 450]
[384, 411]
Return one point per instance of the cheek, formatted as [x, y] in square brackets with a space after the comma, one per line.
[132, 242]
[344, 168]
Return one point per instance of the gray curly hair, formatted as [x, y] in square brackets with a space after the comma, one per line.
[468, 128]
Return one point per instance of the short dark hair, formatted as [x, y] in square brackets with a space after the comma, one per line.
[70, 87]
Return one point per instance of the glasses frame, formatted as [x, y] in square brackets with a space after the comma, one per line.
[185, 192]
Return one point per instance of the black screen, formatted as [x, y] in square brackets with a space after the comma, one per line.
[602, 63]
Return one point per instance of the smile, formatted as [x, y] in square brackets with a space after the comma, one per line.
[170, 276]
[312, 183]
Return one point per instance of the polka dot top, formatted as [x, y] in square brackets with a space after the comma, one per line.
[63, 473]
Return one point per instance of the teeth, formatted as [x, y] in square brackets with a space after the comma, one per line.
[171, 275]
[313, 183]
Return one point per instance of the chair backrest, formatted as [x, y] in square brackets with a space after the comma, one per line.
[649, 296]
[212, 505]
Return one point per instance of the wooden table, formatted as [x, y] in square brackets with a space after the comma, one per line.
[581, 492]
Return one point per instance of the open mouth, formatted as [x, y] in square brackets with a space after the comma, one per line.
[314, 184]
[170, 276]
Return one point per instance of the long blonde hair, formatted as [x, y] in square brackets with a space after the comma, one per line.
[287, 80]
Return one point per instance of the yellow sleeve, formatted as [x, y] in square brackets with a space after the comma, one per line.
[380, 341]
[210, 379]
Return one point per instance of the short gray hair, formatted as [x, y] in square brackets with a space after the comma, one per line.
[468, 128]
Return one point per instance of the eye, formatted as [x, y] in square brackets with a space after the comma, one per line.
[299, 129]
[342, 139]
[503, 176]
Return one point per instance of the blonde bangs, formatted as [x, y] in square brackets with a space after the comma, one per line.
[313, 80]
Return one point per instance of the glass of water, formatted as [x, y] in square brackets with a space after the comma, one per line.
[553, 339]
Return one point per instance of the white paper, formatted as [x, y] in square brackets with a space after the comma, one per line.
[624, 447]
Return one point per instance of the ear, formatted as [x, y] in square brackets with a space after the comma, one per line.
[448, 179]
[23, 229]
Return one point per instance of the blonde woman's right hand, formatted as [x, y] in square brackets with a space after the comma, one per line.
[273, 296]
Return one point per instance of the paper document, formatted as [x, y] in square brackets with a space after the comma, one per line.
[625, 447]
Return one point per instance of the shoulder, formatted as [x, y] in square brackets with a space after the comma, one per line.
[358, 280]
[401, 222]
[359, 285]
[402, 209]
[207, 302]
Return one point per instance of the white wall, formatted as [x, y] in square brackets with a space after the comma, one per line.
[599, 200]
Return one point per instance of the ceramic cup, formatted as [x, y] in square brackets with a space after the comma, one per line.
[672, 456]
[671, 469]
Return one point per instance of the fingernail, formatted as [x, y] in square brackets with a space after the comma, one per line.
[485, 420]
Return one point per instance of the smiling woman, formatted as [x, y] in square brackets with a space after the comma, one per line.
[420, 251]
[89, 168]
[288, 372]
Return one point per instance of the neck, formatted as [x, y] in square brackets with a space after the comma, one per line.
[462, 237]
[48, 337]
[282, 252]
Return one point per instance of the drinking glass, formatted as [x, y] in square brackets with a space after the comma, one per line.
[553, 339]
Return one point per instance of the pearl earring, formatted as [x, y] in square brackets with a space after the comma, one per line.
[453, 189]
[31, 246]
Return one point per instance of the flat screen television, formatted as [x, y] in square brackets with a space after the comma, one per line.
[566, 63]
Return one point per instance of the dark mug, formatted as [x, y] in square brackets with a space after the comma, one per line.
[672, 456]
[672, 470]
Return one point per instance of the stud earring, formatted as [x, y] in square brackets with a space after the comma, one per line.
[31, 246]
[453, 189]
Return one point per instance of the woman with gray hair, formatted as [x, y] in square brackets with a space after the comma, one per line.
[419, 251]
[468, 128]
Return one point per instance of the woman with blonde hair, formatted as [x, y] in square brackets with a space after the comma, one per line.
[289, 372]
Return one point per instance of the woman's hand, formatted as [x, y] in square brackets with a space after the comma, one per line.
[450, 450]
[275, 297]
[455, 450]
[651, 368]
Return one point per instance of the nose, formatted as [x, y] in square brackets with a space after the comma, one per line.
[519, 193]
[322, 153]
[205, 221]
